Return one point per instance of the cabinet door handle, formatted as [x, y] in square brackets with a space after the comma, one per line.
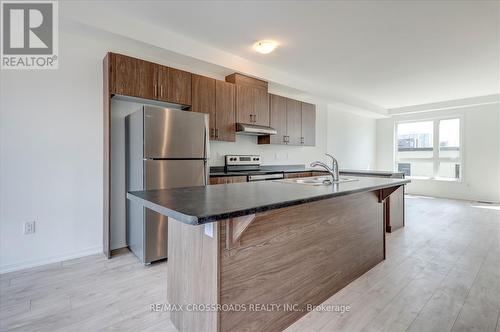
[254, 118]
[216, 132]
[212, 133]
[251, 121]
[156, 90]
[161, 91]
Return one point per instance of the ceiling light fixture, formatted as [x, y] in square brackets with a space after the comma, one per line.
[265, 46]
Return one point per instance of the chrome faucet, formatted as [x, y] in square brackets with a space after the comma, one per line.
[334, 170]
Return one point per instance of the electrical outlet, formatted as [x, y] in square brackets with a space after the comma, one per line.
[29, 227]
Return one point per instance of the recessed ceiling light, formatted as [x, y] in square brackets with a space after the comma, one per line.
[265, 46]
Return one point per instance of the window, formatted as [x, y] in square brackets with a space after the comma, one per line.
[429, 149]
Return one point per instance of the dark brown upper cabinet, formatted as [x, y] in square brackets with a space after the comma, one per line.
[252, 99]
[252, 105]
[308, 124]
[133, 77]
[217, 99]
[162, 87]
[245, 104]
[293, 121]
[203, 99]
[138, 78]
[225, 96]
[277, 114]
[240, 79]
[261, 107]
[179, 87]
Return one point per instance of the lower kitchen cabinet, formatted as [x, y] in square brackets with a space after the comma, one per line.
[298, 175]
[227, 179]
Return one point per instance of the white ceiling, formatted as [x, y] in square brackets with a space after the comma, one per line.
[388, 53]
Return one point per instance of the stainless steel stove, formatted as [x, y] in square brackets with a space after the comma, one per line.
[250, 165]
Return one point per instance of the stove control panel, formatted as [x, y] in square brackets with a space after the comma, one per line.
[242, 160]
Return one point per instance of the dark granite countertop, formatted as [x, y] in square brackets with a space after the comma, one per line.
[199, 205]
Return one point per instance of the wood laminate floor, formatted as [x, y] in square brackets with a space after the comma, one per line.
[442, 273]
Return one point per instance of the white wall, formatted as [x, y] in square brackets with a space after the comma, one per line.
[51, 148]
[351, 139]
[481, 153]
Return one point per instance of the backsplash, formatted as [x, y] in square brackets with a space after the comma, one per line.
[271, 154]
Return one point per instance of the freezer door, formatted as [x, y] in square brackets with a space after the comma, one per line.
[172, 133]
[156, 232]
[165, 174]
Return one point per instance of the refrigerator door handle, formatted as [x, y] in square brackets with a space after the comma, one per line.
[207, 175]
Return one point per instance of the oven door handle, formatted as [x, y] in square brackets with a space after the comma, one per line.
[264, 177]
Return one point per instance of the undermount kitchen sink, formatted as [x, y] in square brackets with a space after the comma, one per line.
[317, 181]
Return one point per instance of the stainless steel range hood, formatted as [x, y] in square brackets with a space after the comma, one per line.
[256, 130]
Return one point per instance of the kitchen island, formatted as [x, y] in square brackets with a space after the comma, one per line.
[257, 256]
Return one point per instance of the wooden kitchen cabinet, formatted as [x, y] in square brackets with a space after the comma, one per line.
[203, 99]
[293, 121]
[161, 89]
[133, 77]
[225, 95]
[143, 79]
[245, 104]
[179, 87]
[304, 174]
[261, 107]
[277, 114]
[216, 98]
[240, 79]
[227, 179]
[252, 105]
[308, 137]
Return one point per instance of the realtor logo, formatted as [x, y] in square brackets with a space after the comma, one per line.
[29, 35]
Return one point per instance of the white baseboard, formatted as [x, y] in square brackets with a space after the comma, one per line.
[48, 260]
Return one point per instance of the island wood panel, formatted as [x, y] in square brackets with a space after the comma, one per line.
[225, 96]
[245, 104]
[308, 124]
[192, 275]
[179, 86]
[134, 77]
[395, 213]
[293, 121]
[298, 255]
[203, 99]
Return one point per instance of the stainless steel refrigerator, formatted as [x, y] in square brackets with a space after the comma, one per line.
[165, 148]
